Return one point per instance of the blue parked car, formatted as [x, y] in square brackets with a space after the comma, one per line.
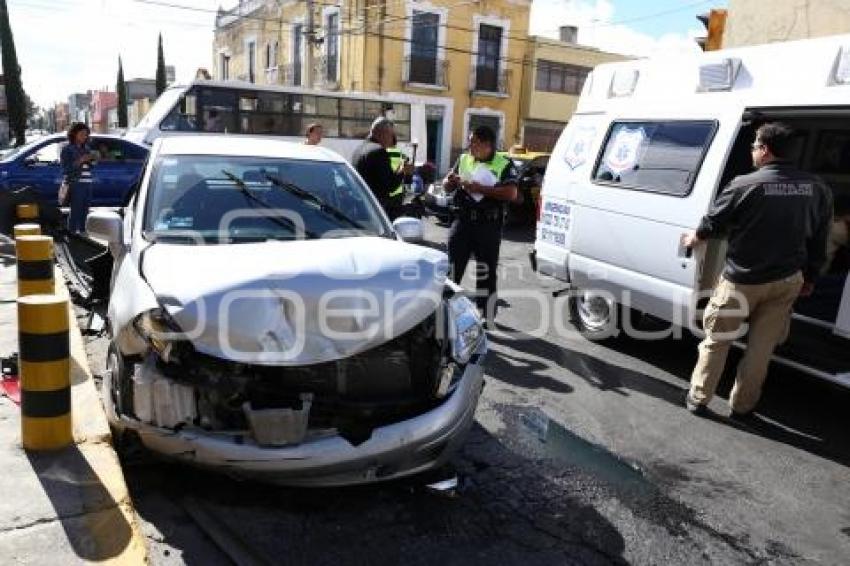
[37, 165]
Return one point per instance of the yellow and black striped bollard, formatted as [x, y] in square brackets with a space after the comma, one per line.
[27, 212]
[35, 265]
[44, 365]
[27, 230]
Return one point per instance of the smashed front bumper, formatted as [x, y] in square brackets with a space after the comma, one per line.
[408, 447]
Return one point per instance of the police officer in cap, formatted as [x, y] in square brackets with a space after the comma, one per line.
[479, 213]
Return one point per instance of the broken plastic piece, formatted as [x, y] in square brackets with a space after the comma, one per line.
[279, 427]
[445, 487]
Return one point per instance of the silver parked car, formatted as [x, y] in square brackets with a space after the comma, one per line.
[267, 320]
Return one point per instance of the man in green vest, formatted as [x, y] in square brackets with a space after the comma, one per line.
[479, 213]
[397, 161]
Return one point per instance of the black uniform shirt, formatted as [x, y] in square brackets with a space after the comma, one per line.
[373, 163]
[777, 220]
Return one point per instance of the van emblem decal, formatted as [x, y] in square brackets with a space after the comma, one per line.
[624, 151]
[579, 146]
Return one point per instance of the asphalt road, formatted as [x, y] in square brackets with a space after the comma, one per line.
[582, 454]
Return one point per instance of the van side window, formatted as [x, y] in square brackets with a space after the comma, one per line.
[661, 157]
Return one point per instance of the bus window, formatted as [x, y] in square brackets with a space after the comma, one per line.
[326, 106]
[248, 103]
[398, 112]
[271, 102]
[374, 109]
[402, 131]
[350, 108]
[183, 117]
[355, 128]
[218, 110]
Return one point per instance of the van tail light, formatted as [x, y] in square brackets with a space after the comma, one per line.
[538, 206]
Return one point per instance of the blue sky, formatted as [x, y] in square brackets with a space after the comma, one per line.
[680, 20]
[631, 27]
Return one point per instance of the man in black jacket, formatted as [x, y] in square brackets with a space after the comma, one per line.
[777, 221]
[373, 163]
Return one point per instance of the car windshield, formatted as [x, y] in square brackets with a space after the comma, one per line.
[230, 199]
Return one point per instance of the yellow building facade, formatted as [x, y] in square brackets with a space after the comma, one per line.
[554, 76]
[470, 53]
[469, 63]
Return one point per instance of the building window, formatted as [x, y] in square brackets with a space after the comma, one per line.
[268, 56]
[560, 77]
[424, 43]
[332, 46]
[252, 61]
[297, 53]
[274, 53]
[224, 66]
[488, 60]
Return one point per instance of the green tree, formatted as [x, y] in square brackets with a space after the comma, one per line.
[121, 89]
[15, 97]
[160, 69]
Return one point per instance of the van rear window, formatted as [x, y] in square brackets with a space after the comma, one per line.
[661, 157]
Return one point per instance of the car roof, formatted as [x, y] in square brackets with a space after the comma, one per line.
[64, 136]
[241, 145]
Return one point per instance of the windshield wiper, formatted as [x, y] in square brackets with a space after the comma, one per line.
[300, 193]
[254, 199]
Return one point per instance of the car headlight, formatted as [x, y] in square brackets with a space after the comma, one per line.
[159, 330]
[465, 328]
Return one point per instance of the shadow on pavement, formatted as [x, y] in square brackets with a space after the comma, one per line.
[595, 371]
[93, 521]
[795, 409]
[508, 509]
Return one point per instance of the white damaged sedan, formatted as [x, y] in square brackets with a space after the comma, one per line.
[267, 320]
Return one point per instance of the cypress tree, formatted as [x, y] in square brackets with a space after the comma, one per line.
[121, 89]
[160, 69]
[15, 97]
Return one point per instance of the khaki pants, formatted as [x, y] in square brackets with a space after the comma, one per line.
[768, 308]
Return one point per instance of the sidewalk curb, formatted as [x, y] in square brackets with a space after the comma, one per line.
[94, 439]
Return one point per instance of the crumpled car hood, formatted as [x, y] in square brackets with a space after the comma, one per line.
[299, 302]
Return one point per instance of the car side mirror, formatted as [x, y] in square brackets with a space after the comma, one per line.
[409, 229]
[30, 161]
[106, 225]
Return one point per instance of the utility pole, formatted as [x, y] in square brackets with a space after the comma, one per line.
[309, 43]
[383, 17]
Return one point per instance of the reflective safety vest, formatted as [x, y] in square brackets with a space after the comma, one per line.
[467, 164]
[396, 159]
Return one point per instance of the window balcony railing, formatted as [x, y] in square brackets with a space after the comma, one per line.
[425, 71]
[291, 74]
[485, 78]
[327, 72]
[272, 74]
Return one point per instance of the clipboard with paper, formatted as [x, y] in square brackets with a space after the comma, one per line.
[481, 175]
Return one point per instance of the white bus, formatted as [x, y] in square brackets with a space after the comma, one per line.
[243, 108]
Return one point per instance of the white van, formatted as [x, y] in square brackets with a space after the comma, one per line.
[651, 144]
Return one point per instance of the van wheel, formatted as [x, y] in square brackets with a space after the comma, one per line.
[595, 315]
